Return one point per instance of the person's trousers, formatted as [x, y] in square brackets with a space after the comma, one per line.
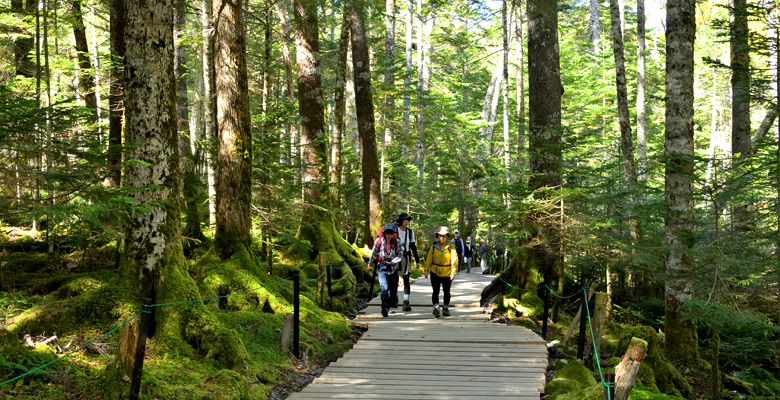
[467, 261]
[440, 282]
[389, 286]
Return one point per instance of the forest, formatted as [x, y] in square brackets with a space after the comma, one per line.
[195, 155]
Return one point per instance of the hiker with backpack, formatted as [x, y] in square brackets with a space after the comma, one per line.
[409, 246]
[460, 247]
[442, 263]
[468, 254]
[386, 256]
[484, 254]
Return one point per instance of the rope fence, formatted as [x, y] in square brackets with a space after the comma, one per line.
[146, 310]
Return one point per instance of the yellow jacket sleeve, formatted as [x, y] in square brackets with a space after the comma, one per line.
[453, 260]
[428, 261]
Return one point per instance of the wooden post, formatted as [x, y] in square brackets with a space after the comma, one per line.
[140, 349]
[626, 371]
[583, 317]
[576, 320]
[546, 313]
[609, 389]
[288, 323]
[599, 317]
[321, 280]
[373, 279]
[296, 313]
[330, 292]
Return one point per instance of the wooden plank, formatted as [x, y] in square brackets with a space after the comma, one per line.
[452, 362]
[453, 370]
[304, 395]
[413, 357]
[415, 390]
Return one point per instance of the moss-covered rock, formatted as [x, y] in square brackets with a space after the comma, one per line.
[558, 387]
[576, 371]
[230, 385]
[587, 393]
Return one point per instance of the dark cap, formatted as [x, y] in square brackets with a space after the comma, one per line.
[389, 228]
[402, 217]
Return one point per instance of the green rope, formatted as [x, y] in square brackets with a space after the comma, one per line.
[317, 278]
[567, 297]
[595, 350]
[66, 355]
[220, 297]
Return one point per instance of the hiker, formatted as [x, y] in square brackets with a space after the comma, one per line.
[460, 248]
[442, 263]
[468, 254]
[409, 246]
[484, 254]
[387, 255]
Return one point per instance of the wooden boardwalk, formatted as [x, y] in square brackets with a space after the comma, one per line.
[412, 355]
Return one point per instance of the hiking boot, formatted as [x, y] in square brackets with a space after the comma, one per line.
[406, 306]
[445, 311]
[392, 310]
[384, 312]
[436, 311]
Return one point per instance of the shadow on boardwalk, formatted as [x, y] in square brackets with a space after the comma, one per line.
[412, 355]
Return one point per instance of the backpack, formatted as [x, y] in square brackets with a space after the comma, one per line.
[382, 231]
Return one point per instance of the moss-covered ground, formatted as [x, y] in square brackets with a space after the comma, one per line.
[74, 296]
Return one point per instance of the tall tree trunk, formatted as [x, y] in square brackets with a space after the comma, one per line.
[545, 91]
[409, 21]
[338, 113]
[188, 180]
[681, 340]
[234, 159]
[389, 112]
[740, 102]
[520, 92]
[641, 123]
[153, 251]
[595, 28]
[505, 23]
[420, 150]
[115, 107]
[210, 108]
[372, 191]
[86, 77]
[626, 142]
[23, 63]
[266, 195]
[282, 10]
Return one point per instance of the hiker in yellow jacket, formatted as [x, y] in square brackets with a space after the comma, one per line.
[442, 263]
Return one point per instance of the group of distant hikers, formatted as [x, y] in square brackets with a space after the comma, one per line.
[392, 256]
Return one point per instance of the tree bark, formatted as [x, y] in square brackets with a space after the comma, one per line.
[24, 65]
[282, 10]
[234, 183]
[626, 372]
[641, 122]
[338, 113]
[545, 92]
[505, 21]
[740, 102]
[188, 180]
[681, 340]
[115, 106]
[408, 71]
[520, 92]
[626, 141]
[595, 28]
[372, 191]
[313, 143]
[389, 112]
[153, 249]
[210, 108]
[86, 78]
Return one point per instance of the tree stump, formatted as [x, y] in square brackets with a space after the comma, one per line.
[626, 371]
